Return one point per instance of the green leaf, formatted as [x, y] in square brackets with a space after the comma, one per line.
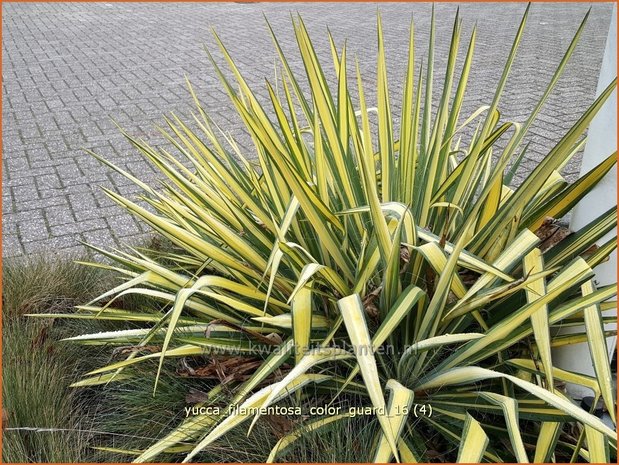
[534, 262]
[290, 438]
[471, 374]
[474, 442]
[546, 441]
[510, 411]
[302, 321]
[310, 359]
[353, 314]
[565, 200]
[400, 401]
[245, 411]
[597, 446]
[599, 351]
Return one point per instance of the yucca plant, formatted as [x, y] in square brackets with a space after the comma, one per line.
[346, 259]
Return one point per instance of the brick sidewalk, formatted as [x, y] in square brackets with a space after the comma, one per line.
[69, 67]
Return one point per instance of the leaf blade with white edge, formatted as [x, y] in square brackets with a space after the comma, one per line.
[433, 342]
[474, 442]
[599, 351]
[353, 314]
[534, 262]
[510, 411]
[597, 446]
[400, 401]
[546, 441]
[289, 439]
[302, 321]
[312, 358]
[406, 301]
[244, 412]
[462, 375]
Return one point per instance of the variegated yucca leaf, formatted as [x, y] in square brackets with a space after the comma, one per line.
[362, 256]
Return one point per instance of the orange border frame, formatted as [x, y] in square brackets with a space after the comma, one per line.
[616, 2]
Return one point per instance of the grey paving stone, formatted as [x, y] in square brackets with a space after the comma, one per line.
[59, 215]
[32, 230]
[68, 247]
[41, 204]
[11, 245]
[100, 238]
[69, 68]
[82, 226]
[124, 226]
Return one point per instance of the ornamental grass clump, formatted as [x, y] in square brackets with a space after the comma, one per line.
[343, 263]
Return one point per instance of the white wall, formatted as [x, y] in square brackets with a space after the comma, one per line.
[601, 142]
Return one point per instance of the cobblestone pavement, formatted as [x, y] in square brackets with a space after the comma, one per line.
[68, 68]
